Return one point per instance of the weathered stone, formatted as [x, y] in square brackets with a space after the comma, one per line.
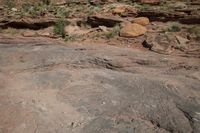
[119, 10]
[182, 41]
[29, 33]
[103, 28]
[71, 30]
[14, 9]
[141, 20]
[47, 32]
[47, 87]
[132, 30]
[180, 5]
[165, 43]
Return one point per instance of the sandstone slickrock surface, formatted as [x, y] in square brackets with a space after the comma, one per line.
[48, 87]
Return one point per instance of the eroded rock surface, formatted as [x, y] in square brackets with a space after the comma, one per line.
[49, 87]
[132, 30]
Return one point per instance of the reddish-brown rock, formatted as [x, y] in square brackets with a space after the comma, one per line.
[141, 20]
[132, 30]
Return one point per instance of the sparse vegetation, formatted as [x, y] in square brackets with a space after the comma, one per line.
[47, 2]
[142, 7]
[165, 7]
[74, 10]
[11, 31]
[175, 27]
[9, 3]
[42, 8]
[195, 30]
[59, 27]
[34, 11]
[97, 36]
[1, 30]
[62, 12]
[69, 38]
[72, 37]
[114, 32]
[26, 7]
[93, 9]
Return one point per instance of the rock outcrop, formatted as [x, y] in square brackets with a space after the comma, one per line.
[103, 20]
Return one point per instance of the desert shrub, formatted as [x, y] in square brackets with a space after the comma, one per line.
[93, 9]
[47, 2]
[72, 37]
[26, 7]
[195, 30]
[9, 3]
[35, 10]
[174, 28]
[61, 12]
[59, 27]
[11, 31]
[142, 7]
[114, 32]
[69, 38]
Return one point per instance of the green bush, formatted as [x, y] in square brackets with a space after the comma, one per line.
[47, 2]
[59, 27]
[62, 12]
[9, 3]
[114, 32]
[195, 30]
[36, 10]
[174, 28]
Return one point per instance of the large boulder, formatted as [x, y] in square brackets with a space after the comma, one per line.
[141, 20]
[132, 30]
